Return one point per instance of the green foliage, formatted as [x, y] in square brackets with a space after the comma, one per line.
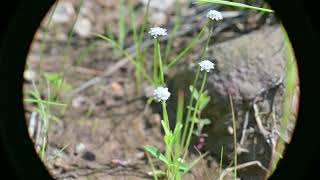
[235, 4]
[156, 153]
[203, 100]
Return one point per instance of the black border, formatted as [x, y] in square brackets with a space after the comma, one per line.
[17, 149]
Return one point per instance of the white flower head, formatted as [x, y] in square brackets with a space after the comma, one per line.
[206, 65]
[214, 15]
[161, 94]
[157, 31]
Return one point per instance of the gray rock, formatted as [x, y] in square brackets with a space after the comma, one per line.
[252, 69]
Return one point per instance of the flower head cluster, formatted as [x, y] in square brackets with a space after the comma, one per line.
[206, 65]
[157, 31]
[161, 94]
[214, 15]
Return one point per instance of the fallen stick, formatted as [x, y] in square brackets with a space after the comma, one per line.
[97, 79]
[242, 166]
[244, 131]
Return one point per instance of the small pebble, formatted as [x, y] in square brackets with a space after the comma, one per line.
[63, 12]
[230, 130]
[83, 27]
[78, 101]
[117, 89]
[80, 148]
[29, 75]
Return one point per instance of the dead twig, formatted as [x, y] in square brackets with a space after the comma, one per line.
[108, 72]
[87, 71]
[32, 124]
[244, 129]
[242, 166]
[263, 131]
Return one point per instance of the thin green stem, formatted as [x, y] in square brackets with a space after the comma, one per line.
[194, 114]
[184, 51]
[84, 53]
[133, 24]
[121, 24]
[168, 137]
[145, 19]
[234, 137]
[179, 117]
[228, 3]
[152, 166]
[175, 29]
[43, 45]
[160, 62]
[44, 102]
[70, 34]
[208, 40]
[186, 125]
[220, 169]
[127, 55]
[155, 62]
[290, 91]
[165, 114]
[136, 42]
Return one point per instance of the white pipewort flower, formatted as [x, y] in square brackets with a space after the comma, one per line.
[214, 15]
[161, 94]
[206, 65]
[157, 31]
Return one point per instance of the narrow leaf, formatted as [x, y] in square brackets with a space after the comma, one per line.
[154, 151]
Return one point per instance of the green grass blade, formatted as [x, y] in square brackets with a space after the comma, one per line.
[133, 25]
[184, 51]
[145, 19]
[220, 168]
[194, 115]
[67, 49]
[155, 174]
[195, 162]
[84, 53]
[176, 26]
[44, 102]
[43, 45]
[156, 153]
[60, 151]
[160, 62]
[290, 85]
[116, 45]
[155, 62]
[71, 31]
[228, 3]
[234, 136]
[122, 24]
[186, 125]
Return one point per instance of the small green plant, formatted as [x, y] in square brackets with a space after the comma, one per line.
[177, 140]
[54, 83]
[42, 107]
[203, 101]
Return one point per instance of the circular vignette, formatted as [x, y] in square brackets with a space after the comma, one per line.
[20, 27]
